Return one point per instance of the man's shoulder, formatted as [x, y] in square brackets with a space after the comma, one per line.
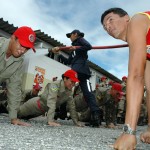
[2, 41]
[54, 85]
[55, 82]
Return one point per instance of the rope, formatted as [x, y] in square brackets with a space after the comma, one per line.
[97, 47]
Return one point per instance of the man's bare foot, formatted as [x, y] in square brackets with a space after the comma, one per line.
[145, 136]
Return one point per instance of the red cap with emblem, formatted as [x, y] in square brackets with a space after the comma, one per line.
[72, 75]
[26, 37]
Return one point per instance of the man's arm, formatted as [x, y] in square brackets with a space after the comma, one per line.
[14, 95]
[136, 38]
[51, 91]
[72, 110]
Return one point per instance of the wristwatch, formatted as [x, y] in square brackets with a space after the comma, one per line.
[127, 129]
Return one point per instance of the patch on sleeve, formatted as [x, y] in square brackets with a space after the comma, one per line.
[54, 87]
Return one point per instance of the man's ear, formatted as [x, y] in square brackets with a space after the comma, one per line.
[127, 18]
[65, 79]
[13, 37]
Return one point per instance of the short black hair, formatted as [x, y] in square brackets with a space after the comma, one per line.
[64, 77]
[115, 10]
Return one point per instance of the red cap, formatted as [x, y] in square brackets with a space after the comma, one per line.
[103, 78]
[72, 75]
[37, 87]
[111, 82]
[124, 77]
[117, 86]
[26, 36]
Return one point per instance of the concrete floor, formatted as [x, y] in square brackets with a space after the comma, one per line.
[67, 137]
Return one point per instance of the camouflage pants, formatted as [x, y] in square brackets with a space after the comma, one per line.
[110, 112]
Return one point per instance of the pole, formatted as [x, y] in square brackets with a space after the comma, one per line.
[97, 47]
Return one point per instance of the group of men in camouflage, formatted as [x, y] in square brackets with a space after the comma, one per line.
[110, 98]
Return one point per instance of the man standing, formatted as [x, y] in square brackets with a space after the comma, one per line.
[78, 61]
[136, 32]
[11, 58]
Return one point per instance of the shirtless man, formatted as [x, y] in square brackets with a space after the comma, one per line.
[136, 32]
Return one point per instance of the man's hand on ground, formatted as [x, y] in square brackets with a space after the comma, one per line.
[125, 142]
[18, 122]
[80, 124]
[54, 124]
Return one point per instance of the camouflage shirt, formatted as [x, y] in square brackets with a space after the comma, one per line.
[53, 96]
[11, 71]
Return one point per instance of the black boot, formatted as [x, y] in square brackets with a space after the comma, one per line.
[95, 119]
[3, 107]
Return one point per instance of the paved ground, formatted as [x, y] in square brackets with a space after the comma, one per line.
[67, 137]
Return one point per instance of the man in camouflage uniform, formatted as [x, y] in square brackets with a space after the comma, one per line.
[103, 82]
[122, 103]
[108, 99]
[111, 98]
[55, 94]
[82, 107]
[124, 82]
[28, 94]
[11, 59]
[121, 110]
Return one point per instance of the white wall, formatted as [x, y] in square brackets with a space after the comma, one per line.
[38, 59]
[52, 67]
